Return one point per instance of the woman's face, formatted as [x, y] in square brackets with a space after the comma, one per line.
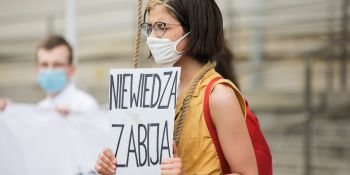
[173, 31]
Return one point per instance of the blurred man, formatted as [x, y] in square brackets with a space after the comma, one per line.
[55, 69]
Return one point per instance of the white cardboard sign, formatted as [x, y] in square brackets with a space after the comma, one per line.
[36, 141]
[142, 108]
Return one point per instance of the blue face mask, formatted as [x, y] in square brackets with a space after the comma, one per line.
[52, 80]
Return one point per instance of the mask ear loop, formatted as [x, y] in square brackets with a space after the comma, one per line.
[179, 40]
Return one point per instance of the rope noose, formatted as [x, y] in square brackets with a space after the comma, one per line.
[138, 35]
[187, 100]
[193, 84]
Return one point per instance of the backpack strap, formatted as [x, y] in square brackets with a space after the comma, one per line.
[261, 148]
[212, 130]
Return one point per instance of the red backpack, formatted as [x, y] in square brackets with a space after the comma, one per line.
[261, 148]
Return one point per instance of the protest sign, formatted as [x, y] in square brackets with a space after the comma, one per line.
[36, 141]
[142, 108]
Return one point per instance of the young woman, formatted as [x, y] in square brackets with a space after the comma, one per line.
[189, 34]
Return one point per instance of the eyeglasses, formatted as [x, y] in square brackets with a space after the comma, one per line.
[158, 28]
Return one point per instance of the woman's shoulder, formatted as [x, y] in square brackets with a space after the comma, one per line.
[226, 94]
[223, 93]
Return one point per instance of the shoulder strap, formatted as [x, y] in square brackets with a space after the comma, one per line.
[212, 130]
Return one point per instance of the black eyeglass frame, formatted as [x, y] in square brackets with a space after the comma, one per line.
[147, 28]
[181, 20]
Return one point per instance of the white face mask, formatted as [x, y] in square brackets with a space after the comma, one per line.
[164, 50]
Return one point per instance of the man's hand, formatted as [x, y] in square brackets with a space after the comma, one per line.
[4, 102]
[63, 110]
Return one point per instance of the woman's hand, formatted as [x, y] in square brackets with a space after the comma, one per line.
[106, 163]
[172, 166]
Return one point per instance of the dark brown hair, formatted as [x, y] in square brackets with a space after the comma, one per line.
[52, 42]
[204, 20]
[206, 41]
[225, 65]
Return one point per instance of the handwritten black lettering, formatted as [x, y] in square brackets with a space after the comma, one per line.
[165, 139]
[150, 91]
[141, 148]
[120, 136]
[133, 149]
[164, 90]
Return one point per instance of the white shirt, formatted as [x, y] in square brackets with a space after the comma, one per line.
[75, 99]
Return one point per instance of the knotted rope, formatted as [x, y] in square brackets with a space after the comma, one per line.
[187, 99]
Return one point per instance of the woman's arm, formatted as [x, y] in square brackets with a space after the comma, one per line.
[232, 131]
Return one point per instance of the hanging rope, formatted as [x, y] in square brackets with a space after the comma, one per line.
[193, 85]
[187, 99]
[138, 35]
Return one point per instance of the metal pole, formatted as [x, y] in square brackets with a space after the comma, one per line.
[69, 26]
[256, 52]
[329, 55]
[344, 44]
[308, 110]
